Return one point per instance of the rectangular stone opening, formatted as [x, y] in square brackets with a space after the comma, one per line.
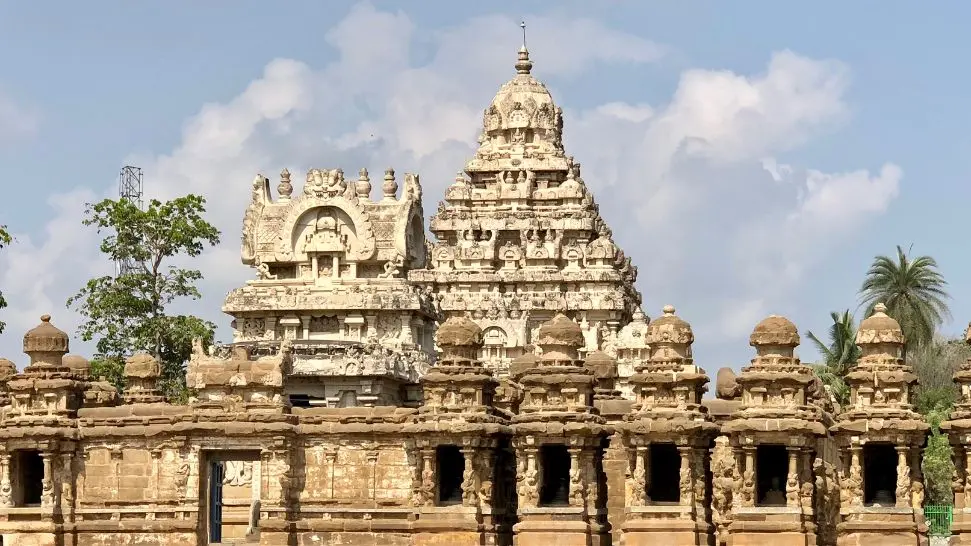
[450, 465]
[554, 489]
[879, 474]
[27, 472]
[771, 469]
[664, 464]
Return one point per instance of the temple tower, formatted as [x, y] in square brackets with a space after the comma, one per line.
[520, 238]
[559, 439]
[776, 434]
[880, 437]
[464, 467]
[667, 435]
[330, 278]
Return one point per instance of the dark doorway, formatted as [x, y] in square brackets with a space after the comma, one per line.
[28, 475]
[216, 474]
[771, 470]
[879, 474]
[554, 490]
[664, 464]
[451, 466]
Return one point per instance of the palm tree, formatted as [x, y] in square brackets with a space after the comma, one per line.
[839, 355]
[913, 291]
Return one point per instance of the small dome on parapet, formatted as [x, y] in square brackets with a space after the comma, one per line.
[603, 365]
[142, 365]
[46, 338]
[7, 369]
[460, 331]
[669, 328]
[774, 330]
[879, 328]
[78, 364]
[634, 333]
[560, 330]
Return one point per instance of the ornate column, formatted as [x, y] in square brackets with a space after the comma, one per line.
[748, 477]
[903, 477]
[47, 483]
[67, 485]
[6, 497]
[484, 474]
[406, 334]
[637, 477]
[527, 477]
[470, 493]
[576, 478]
[686, 487]
[792, 478]
[330, 459]
[427, 486]
[855, 489]
[592, 480]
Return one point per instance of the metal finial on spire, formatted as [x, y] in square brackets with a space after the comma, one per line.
[523, 64]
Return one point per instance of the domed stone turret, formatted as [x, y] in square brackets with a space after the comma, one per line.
[459, 338]
[560, 339]
[879, 328]
[78, 365]
[670, 338]
[775, 330]
[7, 369]
[46, 344]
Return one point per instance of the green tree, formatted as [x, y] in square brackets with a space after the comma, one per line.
[913, 291]
[128, 312]
[5, 240]
[839, 354]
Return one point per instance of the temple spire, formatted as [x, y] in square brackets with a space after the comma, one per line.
[523, 64]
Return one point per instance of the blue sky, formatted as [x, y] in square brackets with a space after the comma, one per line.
[751, 158]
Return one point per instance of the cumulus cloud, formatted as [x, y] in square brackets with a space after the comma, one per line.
[692, 187]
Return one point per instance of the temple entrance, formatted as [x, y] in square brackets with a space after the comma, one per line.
[451, 466]
[231, 492]
[879, 474]
[771, 469]
[665, 471]
[28, 476]
[554, 489]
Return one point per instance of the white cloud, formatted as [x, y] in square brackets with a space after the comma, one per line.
[691, 187]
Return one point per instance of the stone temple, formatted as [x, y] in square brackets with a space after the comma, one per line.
[497, 386]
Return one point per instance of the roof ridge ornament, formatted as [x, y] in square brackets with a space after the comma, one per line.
[523, 64]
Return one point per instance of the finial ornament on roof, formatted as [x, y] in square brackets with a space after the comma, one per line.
[523, 64]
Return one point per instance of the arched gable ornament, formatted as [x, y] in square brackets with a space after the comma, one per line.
[365, 248]
[409, 244]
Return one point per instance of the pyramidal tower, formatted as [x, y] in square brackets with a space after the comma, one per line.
[520, 237]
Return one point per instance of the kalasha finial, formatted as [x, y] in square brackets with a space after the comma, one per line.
[523, 64]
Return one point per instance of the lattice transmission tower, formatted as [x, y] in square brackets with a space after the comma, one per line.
[131, 183]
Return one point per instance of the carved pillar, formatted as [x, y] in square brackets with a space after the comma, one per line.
[330, 459]
[527, 477]
[576, 478]
[591, 479]
[484, 473]
[687, 488]
[305, 326]
[856, 477]
[700, 479]
[806, 485]
[47, 483]
[903, 477]
[372, 460]
[372, 326]
[66, 480]
[792, 478]
[6, 497]
[427, 487]
[470, 493]
[637, 481]
[748, 477]
[155, 477]
[406, 333]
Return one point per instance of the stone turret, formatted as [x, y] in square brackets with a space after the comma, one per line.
[461, 442]
[880, 437]
[46, 387]
[958, 429]
[237, 382]
[775, 433]
[142, 371]
[667, 433]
